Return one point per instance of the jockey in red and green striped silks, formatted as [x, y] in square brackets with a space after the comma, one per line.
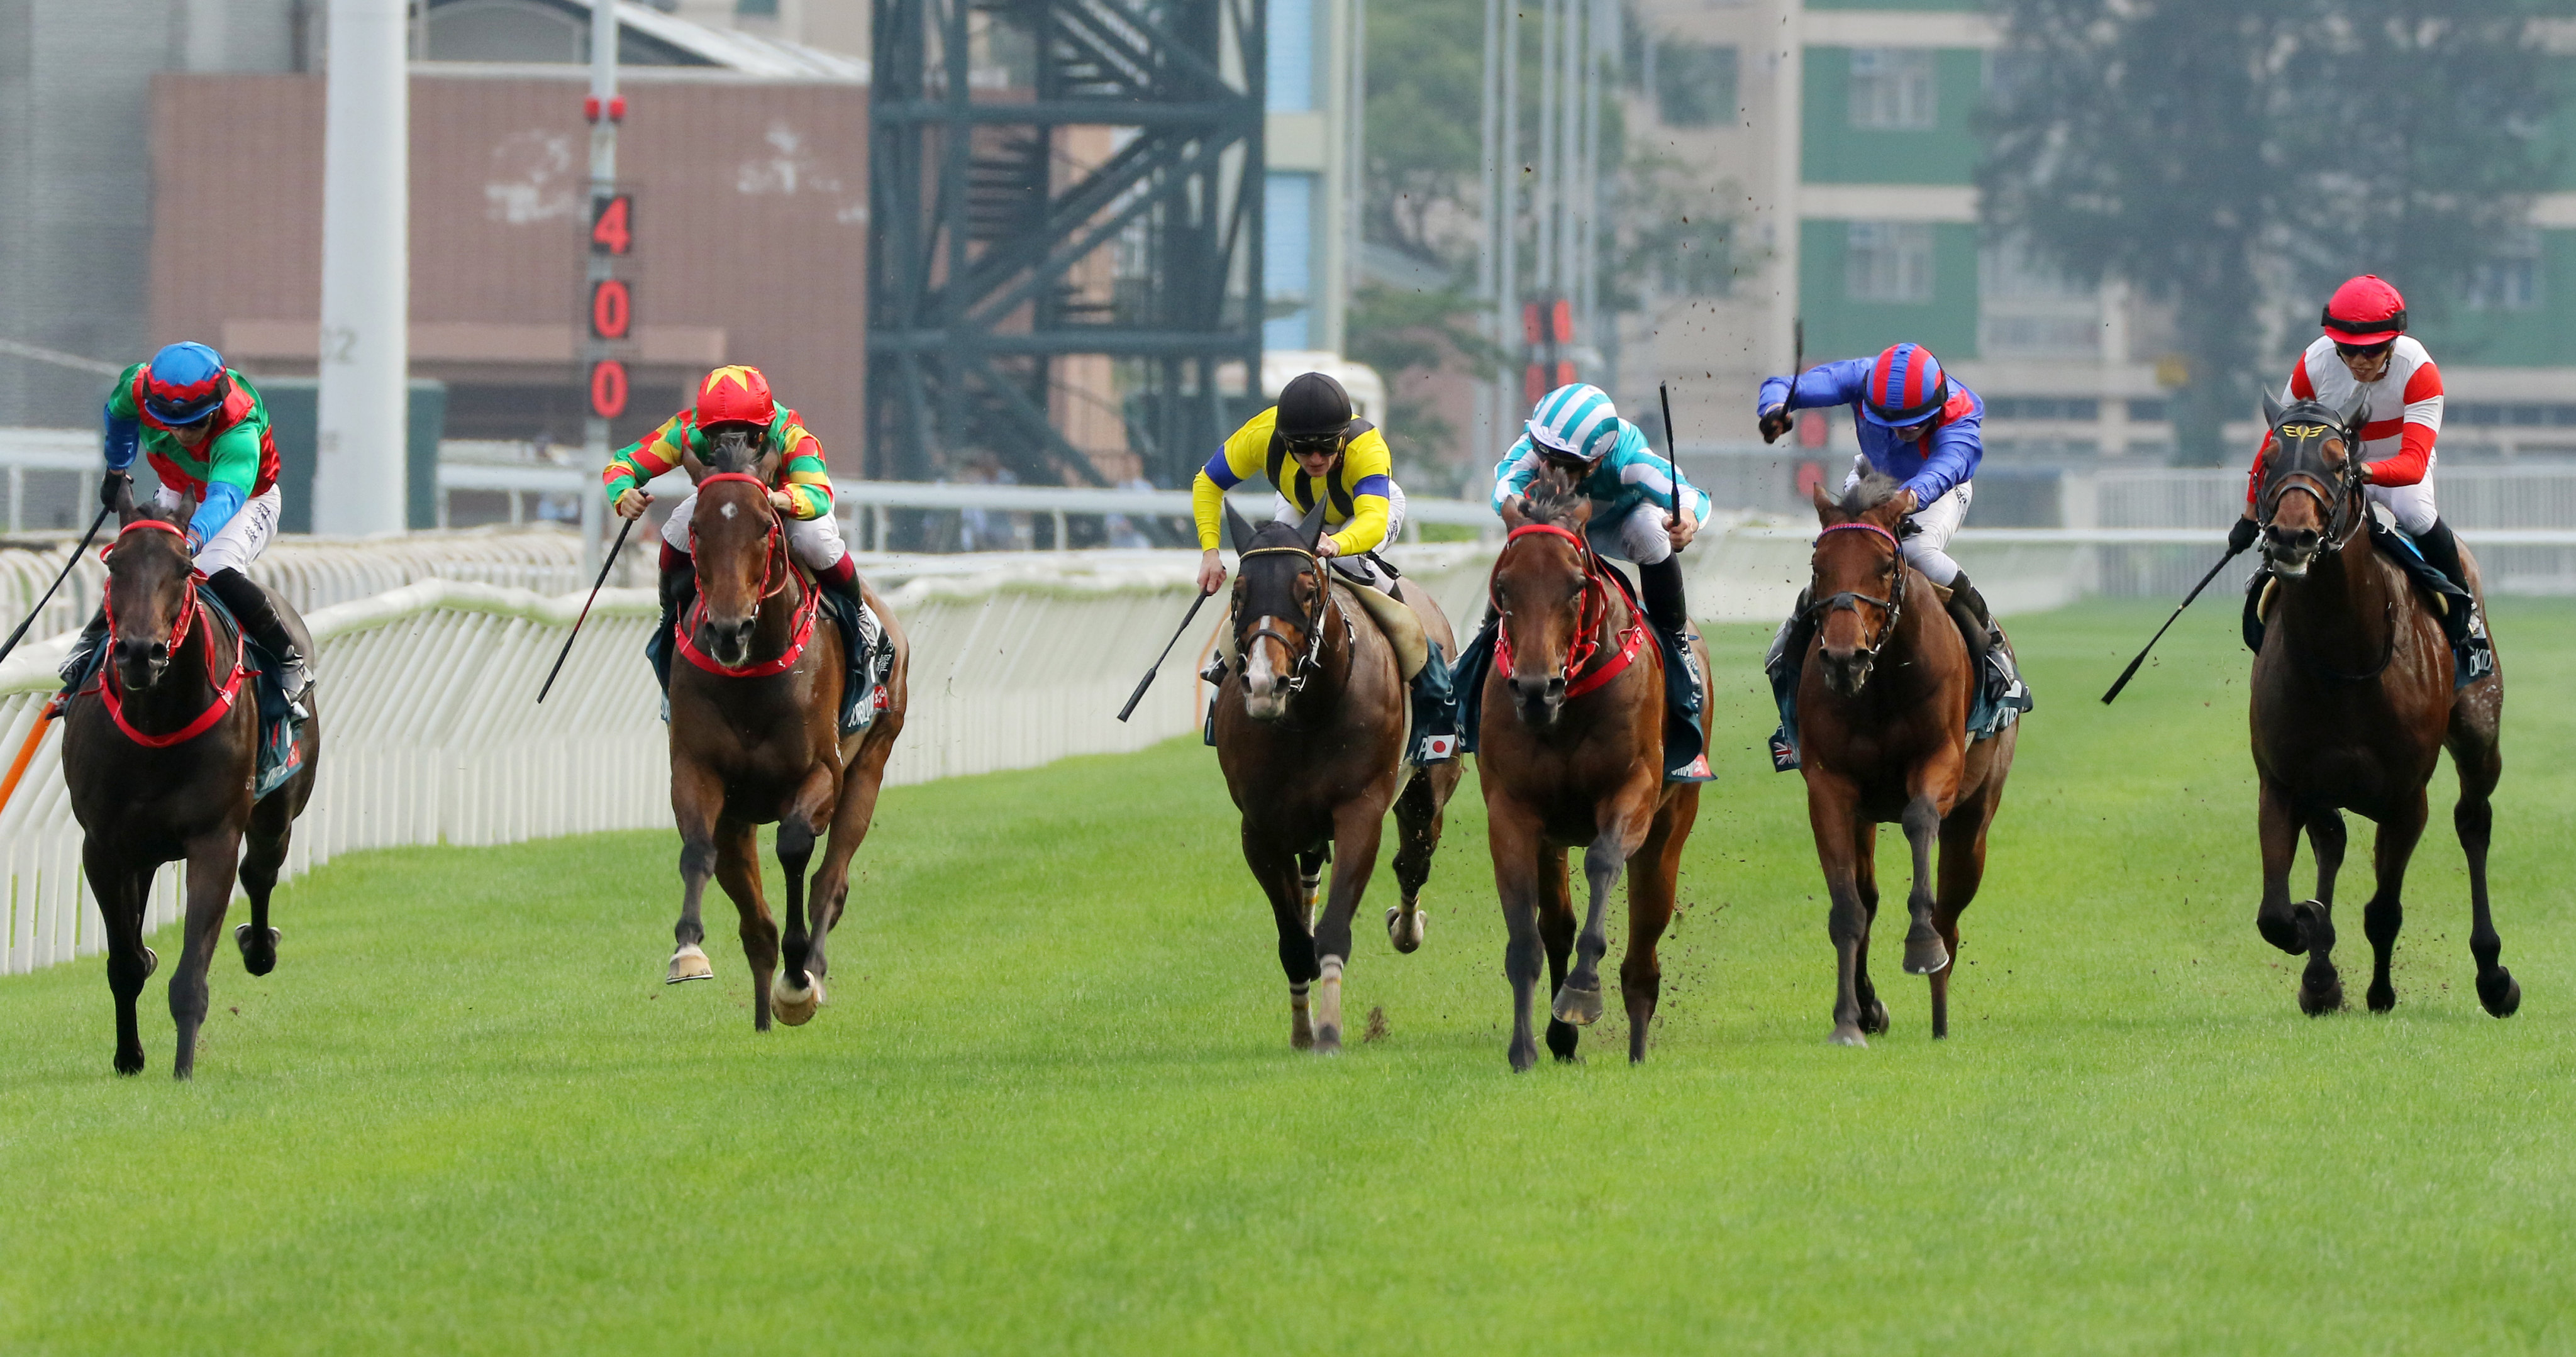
[735, 399]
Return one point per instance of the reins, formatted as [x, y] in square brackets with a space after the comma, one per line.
[110, 689]
[1591, 609]
[775, 571]
[1892, 607]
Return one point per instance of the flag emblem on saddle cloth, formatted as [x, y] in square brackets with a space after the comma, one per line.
[1438, 748]
[1698, 768]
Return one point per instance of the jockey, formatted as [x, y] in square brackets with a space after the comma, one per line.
[1916, 426]
[205, 431]
[2364, 348]
[734, 405]
[1643, 508]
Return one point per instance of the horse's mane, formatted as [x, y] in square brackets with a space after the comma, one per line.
[1551, 497]
[1873, 489]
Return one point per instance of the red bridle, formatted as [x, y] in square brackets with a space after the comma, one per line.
[108, 686]
[776, 560]
[1589, 608]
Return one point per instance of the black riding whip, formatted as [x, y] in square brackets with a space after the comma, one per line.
[94, 525]
[2129, 672]
[1148, 681]
[604, 567]
[1672, 450]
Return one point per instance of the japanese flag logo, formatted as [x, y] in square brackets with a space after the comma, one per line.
[1436, 748]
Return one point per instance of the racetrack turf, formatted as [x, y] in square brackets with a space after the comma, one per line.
[1052, 1107]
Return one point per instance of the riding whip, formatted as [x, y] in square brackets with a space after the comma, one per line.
[1148, 681]
[604, 567]
[1673, 450]
[2127, 673]
[32, 613]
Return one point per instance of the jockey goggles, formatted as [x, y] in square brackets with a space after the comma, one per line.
[2343, 350]
[1329, 440]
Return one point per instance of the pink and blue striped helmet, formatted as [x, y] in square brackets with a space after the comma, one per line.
[1906, 386]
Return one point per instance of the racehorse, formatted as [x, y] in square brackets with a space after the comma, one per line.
[755, 738]
[159, 755]
[1883, 736]
[1571, 752]
[2354, 700]
[1310, 733]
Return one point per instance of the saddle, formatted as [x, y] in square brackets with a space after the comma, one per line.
[1997, 701]
[863, 686]
[2469, 663]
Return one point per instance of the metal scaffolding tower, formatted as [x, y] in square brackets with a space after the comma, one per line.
[997, 251]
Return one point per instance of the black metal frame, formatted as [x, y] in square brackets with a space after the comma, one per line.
[977, 227]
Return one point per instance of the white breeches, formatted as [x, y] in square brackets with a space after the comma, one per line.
[239, 542]
[816, 541]
[1639, 538]
[2411, 505]
[1928, 550]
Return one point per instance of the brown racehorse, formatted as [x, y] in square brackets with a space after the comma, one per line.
[2353, 704]
[1310, 732]
[159, 755]
[1882, 720]
[755, 738]
[1571, 753]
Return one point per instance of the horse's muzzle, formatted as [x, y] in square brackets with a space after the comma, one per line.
[730, 642]
[1846, 671]
[2290, 551]
[140, 664]
[1539, 699]
[1265, 696]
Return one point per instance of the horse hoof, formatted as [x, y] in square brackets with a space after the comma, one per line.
[1848, 1034]
[2501, 997]
[2282, 931]
[257, 960]
[2316, 1003]
[129, 1064]
[794, 1007]
[151, 963]
[1406, 939]
[2381, 996]
[1925, 955]
[1328, 1041]
[689, 963]
[1523, 1054]
[1873, 1020]
[1562, 1039]
[1581, 1007]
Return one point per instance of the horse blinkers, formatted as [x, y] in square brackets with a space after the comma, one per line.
[1305, 655]
[2288, 551]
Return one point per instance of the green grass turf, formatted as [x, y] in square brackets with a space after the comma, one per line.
[1052, 1106]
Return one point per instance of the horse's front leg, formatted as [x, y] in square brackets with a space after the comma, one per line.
[1924, 953]
[1417, 830]
[212, 864]
[1619, 832]
[1357, 826]
[2399, 832]
[2277, 820]
[1873, 1010]
[1832, 807]
[121, 888]
[796, 992]
[737, 844]
[1514, 836]
[697, 797]
[1281, 873]
[272, 828]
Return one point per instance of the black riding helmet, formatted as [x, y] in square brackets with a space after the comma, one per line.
[1314, 413]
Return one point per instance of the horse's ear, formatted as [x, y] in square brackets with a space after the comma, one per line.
[1829, 508]
[1236, 529]
[2352, 413]
[1580, 514]
[2271, 411]
[1513, 518]
[1310, 529]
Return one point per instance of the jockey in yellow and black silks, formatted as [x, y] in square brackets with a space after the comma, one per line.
[1311, 448]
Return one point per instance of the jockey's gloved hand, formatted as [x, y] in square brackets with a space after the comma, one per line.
[110, 486]
[1774, 423]
[2241, 536]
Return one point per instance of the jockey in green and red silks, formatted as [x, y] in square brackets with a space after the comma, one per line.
[205, 430]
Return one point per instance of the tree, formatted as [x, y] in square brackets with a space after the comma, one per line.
[2206, 150]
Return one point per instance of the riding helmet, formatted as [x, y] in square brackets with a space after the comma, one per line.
[1575, 421]
[735, 395]
[1312, 409]
[1906, 386]
[184, 383]
[2364, 311]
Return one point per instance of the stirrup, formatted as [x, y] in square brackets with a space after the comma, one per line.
[1214, 673]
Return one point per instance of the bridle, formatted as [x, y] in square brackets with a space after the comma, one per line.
[1588, 606]
[1891, 607]
[110, 690]
[2337, 498]
[1309, 662]
[773, 573]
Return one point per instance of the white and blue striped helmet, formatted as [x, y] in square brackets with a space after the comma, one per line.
[1576, 421]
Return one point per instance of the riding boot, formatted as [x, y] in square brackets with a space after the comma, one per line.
[1435, 711]
[250, 606]
[1783, 665]
[679, 584]
[1661, 584]
[76, 666]
[2460, 620]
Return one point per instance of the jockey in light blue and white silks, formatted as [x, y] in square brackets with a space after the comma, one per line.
[1638, 498]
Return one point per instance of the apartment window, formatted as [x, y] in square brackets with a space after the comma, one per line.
[2509, 281]
[1888, 262]
[1695, 84]
[2146, 410]
[1892, 90]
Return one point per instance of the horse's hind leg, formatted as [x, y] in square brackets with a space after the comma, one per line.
[1357, 826]
[272, 825]
[737, 846]
[1556, 926]
[2385, 914]
[2474, 753]
[1963, 870]
[121, 889]
[1873, 1013]
[850, 821]
[1282, 876]
[212, 860]
[1651, 882]
[1925, 953]
[1417, 831]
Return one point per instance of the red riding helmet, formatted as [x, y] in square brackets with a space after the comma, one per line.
[735, 395]
[2365, 310]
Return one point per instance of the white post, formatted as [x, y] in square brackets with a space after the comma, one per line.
[603, 184]
[1489, 398]
[1507, 282]
[358, 472]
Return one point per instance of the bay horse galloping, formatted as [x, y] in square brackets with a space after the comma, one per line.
[1310, 731]
[1883, 704]
[755, 738]
[2354, 700]
[160, 753]
[1570, 753]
